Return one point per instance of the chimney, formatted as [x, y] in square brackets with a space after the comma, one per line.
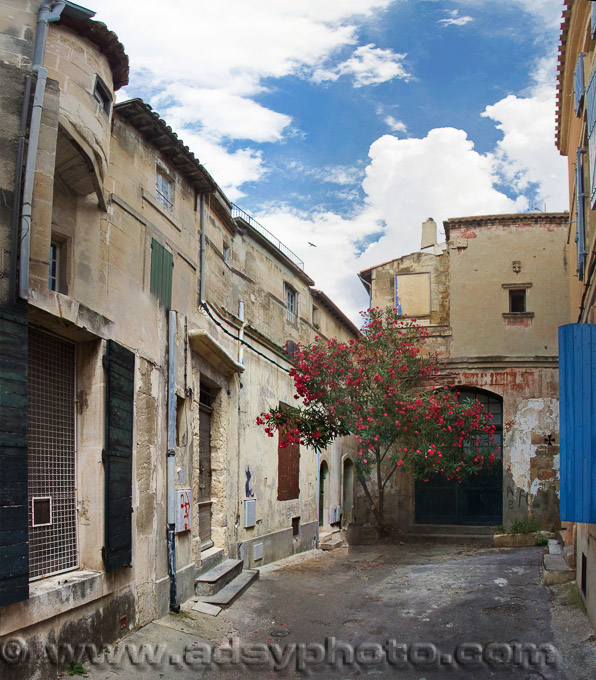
[429, 233]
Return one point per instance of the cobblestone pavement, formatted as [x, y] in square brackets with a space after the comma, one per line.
[389, 611]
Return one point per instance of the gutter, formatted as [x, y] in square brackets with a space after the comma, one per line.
[171, 462]
[49, 11]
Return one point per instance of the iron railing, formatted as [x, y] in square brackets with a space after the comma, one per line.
[238, 212]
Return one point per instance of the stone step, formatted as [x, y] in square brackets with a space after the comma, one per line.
[555, 570]
[216, 578]
[331, 544]
[448, 539]
[211, 558]
[554, 547]
[234, 589]
[569, 555]
[458, 529]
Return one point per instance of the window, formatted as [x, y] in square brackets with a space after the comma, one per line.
[164, 189]
[591, 115]
[291, 303]
[102, 95]
[52, 465]
[580, 216]
[412, 294]
[162, 264]
[517, 301]
[56, 266]
[316, 317]
[578, 84]
[288, 470]
[291, 349]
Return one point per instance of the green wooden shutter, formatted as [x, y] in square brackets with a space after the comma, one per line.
[14, 545]
[119, 364]
[162, 263]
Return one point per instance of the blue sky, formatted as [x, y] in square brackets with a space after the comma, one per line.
[346, 123]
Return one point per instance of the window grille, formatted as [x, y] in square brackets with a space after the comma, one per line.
[52, 472]
[55, 262]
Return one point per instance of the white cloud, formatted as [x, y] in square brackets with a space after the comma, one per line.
[217, 59]
[222, 114]
[545, 12]
[454, 19]
[527, 153]
[395, 125]
[368, 65]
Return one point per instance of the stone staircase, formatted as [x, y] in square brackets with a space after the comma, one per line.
[459, 534]
[220, 581]
[331, 540]
[558, 564]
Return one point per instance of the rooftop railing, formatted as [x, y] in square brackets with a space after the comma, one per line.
[238, 212]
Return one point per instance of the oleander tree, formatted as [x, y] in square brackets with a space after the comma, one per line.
[381, 387]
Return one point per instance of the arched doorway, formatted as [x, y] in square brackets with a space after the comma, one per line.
[479, 499]
[347, 503]
[323, 474]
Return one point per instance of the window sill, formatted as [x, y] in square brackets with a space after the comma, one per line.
[52, 596]
[518, 315]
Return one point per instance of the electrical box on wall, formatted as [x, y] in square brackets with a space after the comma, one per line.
[183, 506]
[250, 513]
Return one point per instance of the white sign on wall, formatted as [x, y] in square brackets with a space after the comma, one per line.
[183, 506]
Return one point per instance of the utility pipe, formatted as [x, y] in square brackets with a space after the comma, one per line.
[18, 182]
[202, 258]
[171, 461]
[49, 11]
[241, 332]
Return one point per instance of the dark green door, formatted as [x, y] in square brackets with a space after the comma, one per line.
[478, 500]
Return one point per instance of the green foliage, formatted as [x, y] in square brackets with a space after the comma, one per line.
[527, 525]
[76, 669]
[541, 540]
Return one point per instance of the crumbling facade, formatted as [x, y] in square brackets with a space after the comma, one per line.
[143, 325]
[491, 298]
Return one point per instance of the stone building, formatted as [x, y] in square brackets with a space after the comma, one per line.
[491, 298]
[143, 324]
[575, 138]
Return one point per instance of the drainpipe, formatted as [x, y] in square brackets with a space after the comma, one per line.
[49, 11]
[368, 287]
[318, 493]
[241, 332]
[202, 262]
[18, 181]
[171, 461]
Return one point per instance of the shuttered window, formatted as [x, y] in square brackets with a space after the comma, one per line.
[591, 115]
[119, 364]
[578, 84]
[580, 216]
[593, 22]
[288, 471]
[14, 549]
[162, 264]
[577, 406]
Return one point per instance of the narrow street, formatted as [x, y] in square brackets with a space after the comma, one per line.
[407, 611]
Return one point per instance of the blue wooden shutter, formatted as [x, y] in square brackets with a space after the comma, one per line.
[119, 364]
[577, 405]
[578, 84]
[593, 24]
[162, 263]
[580, 216]
[591, 116]
[14, 545]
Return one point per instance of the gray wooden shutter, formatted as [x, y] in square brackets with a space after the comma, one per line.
[119, 364]
[14, 545]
